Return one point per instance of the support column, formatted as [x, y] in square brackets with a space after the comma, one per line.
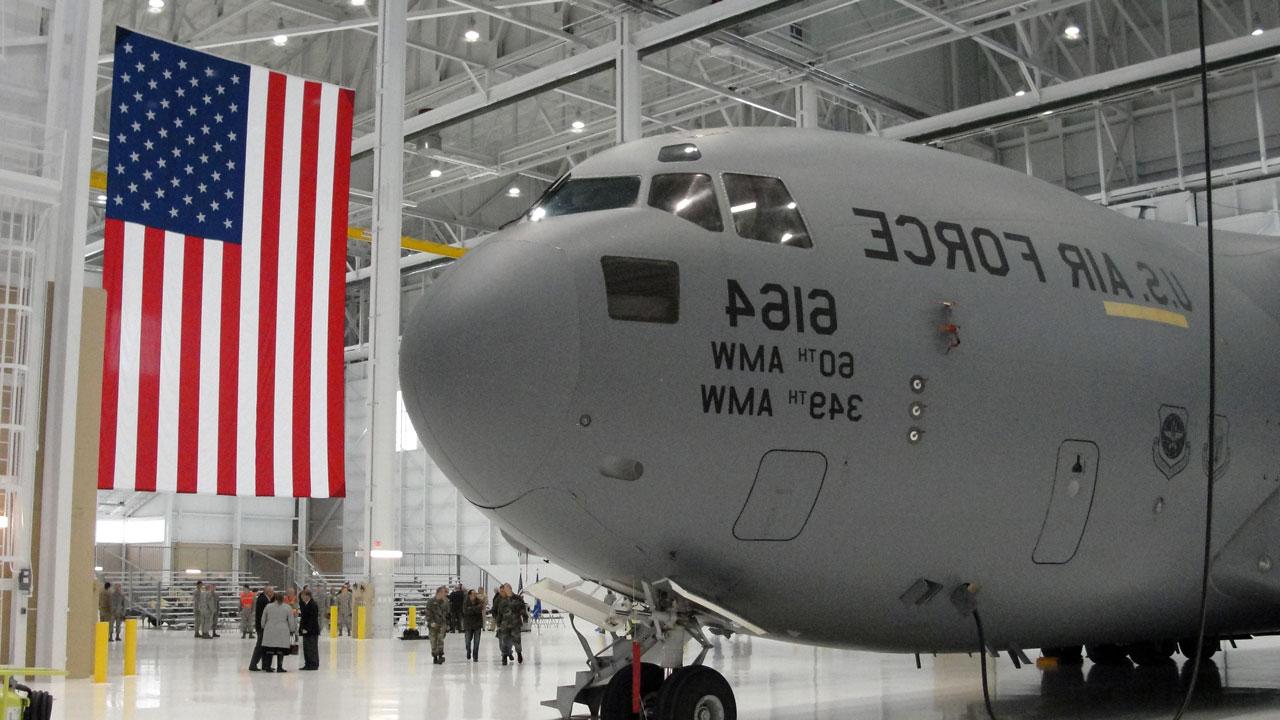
[381, 510]
[807, 106]
[236, 541]
[627, 85]
[73, 42]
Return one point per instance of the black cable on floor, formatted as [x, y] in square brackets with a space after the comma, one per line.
[1213, 385]
[982, 653]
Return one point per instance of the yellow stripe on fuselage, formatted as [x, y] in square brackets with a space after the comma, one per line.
[1142, 312]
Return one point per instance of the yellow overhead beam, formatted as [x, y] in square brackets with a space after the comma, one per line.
[98, 181]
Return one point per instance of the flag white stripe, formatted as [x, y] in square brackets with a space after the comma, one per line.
[250, 260]
[319, 420]
[170, 363]
[126, 474]
[210, 354]
[287, 286]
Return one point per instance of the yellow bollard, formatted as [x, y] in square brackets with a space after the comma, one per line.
[413, 617]
[360, 622]
[131, 647]
[101, 638]
[333, 622]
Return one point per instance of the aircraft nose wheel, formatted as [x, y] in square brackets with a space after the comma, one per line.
[696, 692]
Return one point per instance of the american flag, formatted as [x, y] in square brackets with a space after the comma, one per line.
[224, 266]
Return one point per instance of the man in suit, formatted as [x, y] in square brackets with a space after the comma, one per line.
[260, 604]
[309, 628]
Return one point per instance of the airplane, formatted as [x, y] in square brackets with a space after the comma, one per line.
[844, 391]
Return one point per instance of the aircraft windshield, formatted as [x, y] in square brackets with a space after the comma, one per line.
[690, 196]
[763, 210]
[578, 195]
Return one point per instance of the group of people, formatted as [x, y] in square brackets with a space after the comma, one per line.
[111, 609]
[463, 611]
[276, 624]
[206, 607]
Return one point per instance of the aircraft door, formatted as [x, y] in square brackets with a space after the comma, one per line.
[1073, 484]
[783, 495]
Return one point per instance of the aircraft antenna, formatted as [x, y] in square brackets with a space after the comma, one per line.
[1197, 660]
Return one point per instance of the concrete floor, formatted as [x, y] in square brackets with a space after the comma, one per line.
[181, 677]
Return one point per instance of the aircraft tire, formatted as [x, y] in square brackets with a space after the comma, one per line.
[615, 703]
[696, 692]
[1152, 653]
[1107, 654]
[1188, 648]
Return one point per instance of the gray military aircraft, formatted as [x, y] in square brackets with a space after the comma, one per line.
[843, 391]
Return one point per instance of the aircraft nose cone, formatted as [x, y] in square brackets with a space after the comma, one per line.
[488, 365]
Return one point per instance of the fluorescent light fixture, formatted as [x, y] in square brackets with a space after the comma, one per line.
[193, 571]
[280, 40]
[537, 214]
[358, 3]
[155, 6]
[435, 172]
[1071, 31]
[1020, 93]
[513, 192]
[684, 203]
[129, 531]
[786, 237]
[97, 568]
[384, 554]
[472, 34]
[577, 126]
[743, 207]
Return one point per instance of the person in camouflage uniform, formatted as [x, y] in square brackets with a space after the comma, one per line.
[509, 614]
[438, 623]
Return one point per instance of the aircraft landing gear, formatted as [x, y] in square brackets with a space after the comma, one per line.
[696, 692]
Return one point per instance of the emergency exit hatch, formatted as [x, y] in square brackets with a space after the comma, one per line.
[783, 496]
[1075, 478]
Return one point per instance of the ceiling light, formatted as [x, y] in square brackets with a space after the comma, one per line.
[97, 568]
[435, 172]
[743, 207]
[1257, 26]
[280, 40]
[577, 125]
[1071, 31]
[102, 198]
[791, 205]
[383, 554]
[155, 6]
[1020, 93]
[193, 571]
[358, 3]
[472, 34]
[1256, 32]
[513, 191]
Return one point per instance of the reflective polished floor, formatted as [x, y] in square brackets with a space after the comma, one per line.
[181, 677]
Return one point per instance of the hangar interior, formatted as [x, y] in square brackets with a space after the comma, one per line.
[496, 100]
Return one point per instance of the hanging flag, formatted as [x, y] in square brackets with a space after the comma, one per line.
[224, 265]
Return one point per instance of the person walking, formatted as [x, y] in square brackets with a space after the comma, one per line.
[473, 623]
[309, 629]
[118, 608]
[260, 604]
[278, 628]
[344, 610]
[246, 612]
[438, 623]
[510, 624]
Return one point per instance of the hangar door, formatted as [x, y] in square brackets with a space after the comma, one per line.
[783, 495]
[1074, 480]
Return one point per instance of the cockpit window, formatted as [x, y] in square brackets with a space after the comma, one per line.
[579, 195]
[691, 196]
[763, 210]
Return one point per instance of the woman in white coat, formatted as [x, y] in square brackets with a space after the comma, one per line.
[278, 628]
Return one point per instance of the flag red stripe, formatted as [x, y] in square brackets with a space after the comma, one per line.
[337, 292]
[306, 280]
[189, 365]
[112, 273]
[228, 369]
[149, 341]
[268, 282]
